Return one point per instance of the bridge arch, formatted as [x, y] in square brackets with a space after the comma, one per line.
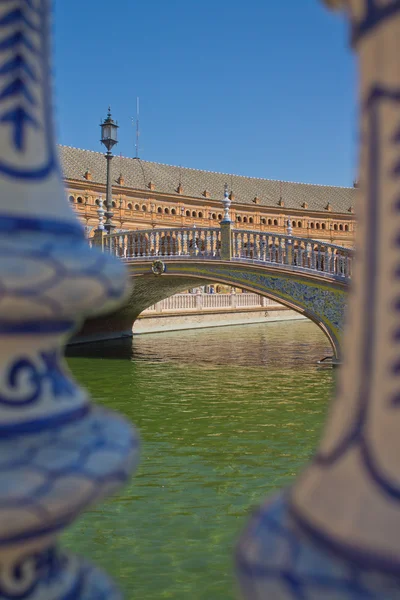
[320, 298]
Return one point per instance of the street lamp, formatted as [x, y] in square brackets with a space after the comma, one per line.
[109, 139]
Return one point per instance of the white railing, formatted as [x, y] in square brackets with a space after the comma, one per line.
[268, 248]
[185, 242]
[179, 302]
[301, 253]
[248, 300]
[203, 301]
[217, 300]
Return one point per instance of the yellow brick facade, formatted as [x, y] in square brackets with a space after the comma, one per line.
[135, 209]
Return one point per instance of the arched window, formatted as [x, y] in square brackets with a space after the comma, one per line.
[239, 219]
[269, 222]
[194, 214]
[72, 199]
[97, 201]
[200, 215]
[275, 222]
[263, 221]
[317, 226]
[144, 208]
[346, 228]
[173, 211]
[312, 225]
[159, 210]
[166, 211]
[219, 217]
[335, 227]
[299, 224]
[137, 207]
[188, 213]
[340, 227]
[251, 220]
[244, 219]
[214, 216]
[129, 206]
[294, 224]
[113, 204]
[323, 226]
[79, 200]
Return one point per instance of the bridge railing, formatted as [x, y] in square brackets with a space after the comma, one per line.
[302, 253]
[186, 303]
[200, 242]
[286, 250]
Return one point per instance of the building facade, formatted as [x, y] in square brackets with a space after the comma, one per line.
[152, 195]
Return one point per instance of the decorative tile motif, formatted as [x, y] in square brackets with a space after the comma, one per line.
[370, 15]
[25, 90]
[335, 534]
[93, 454]
[58, 453]
[275, 559]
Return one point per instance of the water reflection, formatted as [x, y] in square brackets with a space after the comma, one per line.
[226, 416]
[294, 343]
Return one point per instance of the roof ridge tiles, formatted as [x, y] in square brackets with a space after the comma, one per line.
[317, 185]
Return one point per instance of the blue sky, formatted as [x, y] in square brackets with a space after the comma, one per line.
[259, 88]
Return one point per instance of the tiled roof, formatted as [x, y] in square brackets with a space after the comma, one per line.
[139, 173]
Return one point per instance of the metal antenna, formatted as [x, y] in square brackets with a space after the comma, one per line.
[137, 128]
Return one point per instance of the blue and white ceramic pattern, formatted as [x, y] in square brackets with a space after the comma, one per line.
[58, 453]
[336, 533]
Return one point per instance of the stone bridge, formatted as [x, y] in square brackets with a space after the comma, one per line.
[308, 276]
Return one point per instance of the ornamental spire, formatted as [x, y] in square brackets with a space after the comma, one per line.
[227, 204]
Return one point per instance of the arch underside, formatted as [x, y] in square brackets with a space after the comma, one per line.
[321, 299]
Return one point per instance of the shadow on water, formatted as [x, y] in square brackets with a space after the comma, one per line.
[226, 416]
[111, 349]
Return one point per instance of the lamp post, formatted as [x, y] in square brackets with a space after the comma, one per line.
[109, 139]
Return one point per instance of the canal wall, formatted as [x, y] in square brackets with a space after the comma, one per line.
[200, 310]
[150, 323]
[193, 311]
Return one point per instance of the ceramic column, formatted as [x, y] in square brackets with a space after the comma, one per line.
[58, 453]
[336, 533]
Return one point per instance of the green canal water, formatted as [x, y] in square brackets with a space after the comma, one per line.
[226, 416]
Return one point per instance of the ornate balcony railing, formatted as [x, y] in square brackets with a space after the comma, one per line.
[268, 248]
[187, 242]
[205, 301]
[301, 253]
